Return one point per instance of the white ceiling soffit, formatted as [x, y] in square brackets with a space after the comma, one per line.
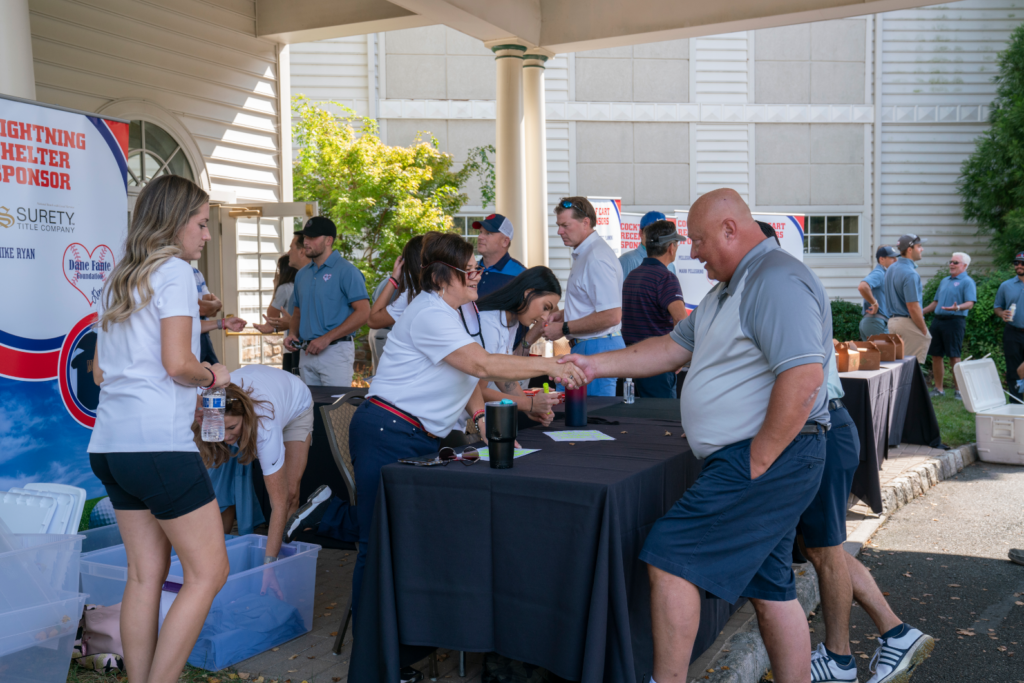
[558, 25]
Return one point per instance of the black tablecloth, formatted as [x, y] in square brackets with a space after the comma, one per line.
[888, 406]
[320, 468]
[538, 563]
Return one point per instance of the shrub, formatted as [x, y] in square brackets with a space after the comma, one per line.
[845, 320]
[984, 333]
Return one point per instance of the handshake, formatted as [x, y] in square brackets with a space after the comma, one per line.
[574, 371]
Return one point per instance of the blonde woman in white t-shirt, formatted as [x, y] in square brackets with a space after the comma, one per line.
[141, 447]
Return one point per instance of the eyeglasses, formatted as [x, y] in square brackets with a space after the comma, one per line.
[468, 456]
[472, 273]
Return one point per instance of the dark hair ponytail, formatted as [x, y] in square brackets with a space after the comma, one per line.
[411, 267]
[513, 297]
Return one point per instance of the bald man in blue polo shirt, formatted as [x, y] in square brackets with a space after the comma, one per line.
[754, 408]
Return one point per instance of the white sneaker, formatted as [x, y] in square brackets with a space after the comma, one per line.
[824, 669]
[309, 515]
[896, 658]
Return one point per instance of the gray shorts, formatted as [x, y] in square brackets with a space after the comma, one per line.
[301, 427]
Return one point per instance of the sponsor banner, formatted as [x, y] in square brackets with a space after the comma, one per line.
[609, 220]
[694, 278]
[631, 229]
[63, 209]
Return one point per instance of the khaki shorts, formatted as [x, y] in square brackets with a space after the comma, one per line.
[301, 427]
[914, 343]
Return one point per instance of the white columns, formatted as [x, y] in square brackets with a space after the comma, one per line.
[17, 77]
[510, 164]
[536, 156]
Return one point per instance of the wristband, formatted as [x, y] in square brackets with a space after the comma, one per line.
[220, 323]
[478, 414]
[213, 379]
[565, 328]
[269, 558]
[394, 282]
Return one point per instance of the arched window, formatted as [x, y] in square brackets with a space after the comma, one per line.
[152, 152]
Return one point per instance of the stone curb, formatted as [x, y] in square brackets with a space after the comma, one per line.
[743, 656]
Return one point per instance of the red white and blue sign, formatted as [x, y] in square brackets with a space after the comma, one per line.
[63, 220]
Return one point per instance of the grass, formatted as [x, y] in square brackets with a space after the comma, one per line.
[955, 424]
[86, 511]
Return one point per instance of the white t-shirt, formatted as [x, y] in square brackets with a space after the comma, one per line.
[499, 338]
[283, 296]
[595, 283]
[289, 397]
[397, 307]
[412, 373]
[141, 408]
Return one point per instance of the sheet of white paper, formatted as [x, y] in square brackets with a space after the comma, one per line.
[580, 435]
[520, 452]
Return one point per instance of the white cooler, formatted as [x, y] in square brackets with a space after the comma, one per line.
[999, 426]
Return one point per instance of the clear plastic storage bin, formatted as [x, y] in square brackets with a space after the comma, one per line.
[101, 537]
[260, 606]
[40, 566]
[36, 648]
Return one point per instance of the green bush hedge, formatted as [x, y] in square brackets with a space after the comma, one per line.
[984, 334]
[845, 320]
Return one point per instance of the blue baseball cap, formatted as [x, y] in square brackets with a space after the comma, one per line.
[887, 252]
[651, 217]
[495, 223]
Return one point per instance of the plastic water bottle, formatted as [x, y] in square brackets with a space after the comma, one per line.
[213, 414]
[1013, 311]
[628, 391]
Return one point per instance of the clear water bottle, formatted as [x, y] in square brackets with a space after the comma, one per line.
[1013, 310]
[628, 390]
[213, 414]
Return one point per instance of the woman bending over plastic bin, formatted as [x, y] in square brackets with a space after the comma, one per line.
[141, 447]
[269, 415]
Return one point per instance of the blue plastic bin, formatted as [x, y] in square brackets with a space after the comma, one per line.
[242, 622]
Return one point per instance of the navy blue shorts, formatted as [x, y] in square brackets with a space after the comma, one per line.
[732, 536]
[823, 523]
[168, 484]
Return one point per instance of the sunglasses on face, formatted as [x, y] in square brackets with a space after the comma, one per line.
[1018, 263]
[954, 263]
[468, 456]
[472, 273]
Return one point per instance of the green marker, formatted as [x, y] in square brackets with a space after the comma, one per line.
[546, 388]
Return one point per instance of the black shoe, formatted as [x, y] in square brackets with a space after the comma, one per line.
[1016, 556]
[409, 675]
[309, 515]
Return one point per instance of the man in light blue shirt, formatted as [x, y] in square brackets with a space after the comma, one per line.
[1012, 292]
[331, 304]
[634, 257]
[903, 296]
[872, 288]
[956, 295]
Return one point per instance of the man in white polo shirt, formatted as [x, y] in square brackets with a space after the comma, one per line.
[754, 408]
[593, 295]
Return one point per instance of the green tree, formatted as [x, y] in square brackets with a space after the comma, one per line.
[991, 183]
[378, 195]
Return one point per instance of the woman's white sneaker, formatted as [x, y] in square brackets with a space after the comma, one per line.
[896, 659]
[310, 514]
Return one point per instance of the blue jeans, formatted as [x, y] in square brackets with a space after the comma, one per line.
[659, 386]
[589, 347]
[377, 438]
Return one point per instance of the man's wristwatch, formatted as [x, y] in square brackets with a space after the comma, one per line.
[565, 328]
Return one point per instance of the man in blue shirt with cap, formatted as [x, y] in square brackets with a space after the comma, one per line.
[872, 288]
[496, 233]
[331, 304]
[956, 295]
[903, 296]
[1011, 293]
[634, 257]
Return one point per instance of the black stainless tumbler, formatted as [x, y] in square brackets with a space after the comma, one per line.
[502, 429]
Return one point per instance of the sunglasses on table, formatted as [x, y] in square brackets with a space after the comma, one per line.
[468, 456]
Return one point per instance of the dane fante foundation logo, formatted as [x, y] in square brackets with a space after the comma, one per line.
[6, 219]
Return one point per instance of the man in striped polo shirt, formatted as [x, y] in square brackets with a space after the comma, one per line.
[652, 302]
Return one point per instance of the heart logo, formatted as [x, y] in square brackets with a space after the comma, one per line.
[88, 270]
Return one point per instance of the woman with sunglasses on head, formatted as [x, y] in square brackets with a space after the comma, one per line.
[529, 299]
[429, 373]
[141, 446]
[401, 288]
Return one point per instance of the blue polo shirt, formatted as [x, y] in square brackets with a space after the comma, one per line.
[325, 295]
[902, 284]
[500, 274]
[646, 295]
[1012, 292]
[955, 290]
[633, 258]
[876, 281]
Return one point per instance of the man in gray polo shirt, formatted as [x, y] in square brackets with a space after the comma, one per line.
[754, 406]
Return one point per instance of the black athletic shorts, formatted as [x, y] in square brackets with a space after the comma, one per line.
[167, 484]
[947, 336]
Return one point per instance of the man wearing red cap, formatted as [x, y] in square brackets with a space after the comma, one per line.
[499, 268]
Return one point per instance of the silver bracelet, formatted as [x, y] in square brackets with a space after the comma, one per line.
[269, 558]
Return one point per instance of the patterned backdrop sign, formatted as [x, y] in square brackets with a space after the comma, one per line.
[63, 209]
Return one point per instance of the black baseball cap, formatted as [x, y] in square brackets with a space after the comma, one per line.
[887, 252]
[907, 241]
[319, 226]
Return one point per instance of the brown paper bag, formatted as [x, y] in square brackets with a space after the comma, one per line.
[870, 356]
[847, 356]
